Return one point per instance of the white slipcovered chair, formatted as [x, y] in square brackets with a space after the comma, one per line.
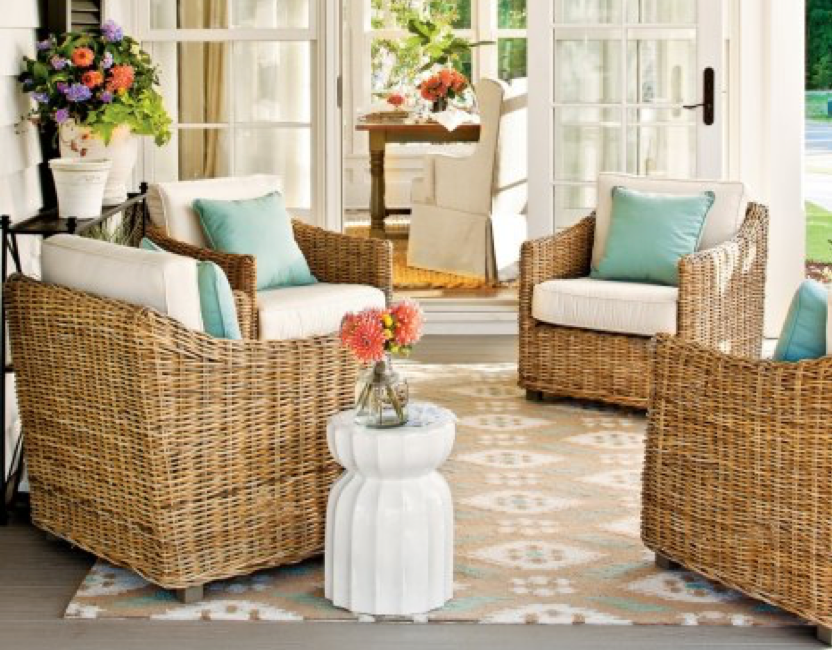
[354, 273]
[469, 212]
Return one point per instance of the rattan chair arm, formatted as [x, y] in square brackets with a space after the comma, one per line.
[722, 290]
[566, 254]
[240, 269]
[245, 315]
[344, 259]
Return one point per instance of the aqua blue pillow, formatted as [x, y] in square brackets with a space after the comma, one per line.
[650, 233]
[804, 332]
[259, 227]
[216, 300]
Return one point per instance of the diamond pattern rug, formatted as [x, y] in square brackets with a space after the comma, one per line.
[547, 529]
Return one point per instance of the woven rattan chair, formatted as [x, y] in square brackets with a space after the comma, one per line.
[738, 474]
[720, 304]
[180, 456]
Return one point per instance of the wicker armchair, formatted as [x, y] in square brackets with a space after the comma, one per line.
[180, 456]
[738, 474]
[721, 296]
[332, 257]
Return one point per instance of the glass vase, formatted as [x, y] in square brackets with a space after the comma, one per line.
[381, 396]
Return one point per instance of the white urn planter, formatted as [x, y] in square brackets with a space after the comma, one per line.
[390, 522]
[79, 142]
[80, 185]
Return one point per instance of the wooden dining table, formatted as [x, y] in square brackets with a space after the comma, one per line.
[399, 131]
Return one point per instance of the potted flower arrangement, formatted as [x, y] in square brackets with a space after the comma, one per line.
[101, 91]
[443, 85]
[374, 336]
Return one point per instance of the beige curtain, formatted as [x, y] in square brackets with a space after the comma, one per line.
[202, 78]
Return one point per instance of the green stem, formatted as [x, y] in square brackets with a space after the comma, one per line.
[394, 400]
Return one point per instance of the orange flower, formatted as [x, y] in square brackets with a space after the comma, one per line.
[121, 77]
[395, 99]
[92, 79]
[83, 57]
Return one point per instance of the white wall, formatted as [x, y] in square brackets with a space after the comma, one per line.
[20, 190]
[767, 133]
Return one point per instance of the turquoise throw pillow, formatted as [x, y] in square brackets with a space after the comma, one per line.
[804, 332]
[650, 233]
[259, 227]
[216, 300]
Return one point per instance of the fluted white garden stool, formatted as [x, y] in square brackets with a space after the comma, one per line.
[390, 520]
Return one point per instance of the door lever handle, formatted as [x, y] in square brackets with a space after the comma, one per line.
[709, 88]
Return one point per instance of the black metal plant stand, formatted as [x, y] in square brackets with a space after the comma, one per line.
[46, 224]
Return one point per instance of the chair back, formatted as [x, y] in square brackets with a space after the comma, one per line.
[170, 205]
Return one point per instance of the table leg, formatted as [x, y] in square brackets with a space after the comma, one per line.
[378, 210]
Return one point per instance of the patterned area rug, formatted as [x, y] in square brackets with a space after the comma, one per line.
[547, 529]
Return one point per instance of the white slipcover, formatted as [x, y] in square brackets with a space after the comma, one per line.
[312, 310]
[607, 306]
[170, 205]
[723, 221]
[469, 212]
[163, 281]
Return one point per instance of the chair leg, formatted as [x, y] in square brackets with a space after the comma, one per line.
[665, 563]
[534, 395]
[824, 634]
[189, 595]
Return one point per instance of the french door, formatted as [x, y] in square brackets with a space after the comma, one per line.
[633, 86]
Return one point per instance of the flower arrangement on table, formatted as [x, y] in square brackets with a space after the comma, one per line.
[100, 81]
[441, 86]
[373, 336]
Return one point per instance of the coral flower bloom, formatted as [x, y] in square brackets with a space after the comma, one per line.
[83, 57]
[92, 79]
[121, 77]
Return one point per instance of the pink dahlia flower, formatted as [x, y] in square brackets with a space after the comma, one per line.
[409, 322]
[363, 334]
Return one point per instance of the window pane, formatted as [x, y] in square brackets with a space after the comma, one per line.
[662, 71]
[588, 11]
[284, 152]
[573, 203]
[587, 141]
[662, 143]
[511, 14]
[191, 154]
[588, 71]
[511, 62]
[662, 11]
[272, 82]
[188, 14]
[270, 14]
[393, 14]
[192, 77]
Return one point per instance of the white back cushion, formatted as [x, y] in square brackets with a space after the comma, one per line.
[171, 204]
[724, 218]
[164, 281]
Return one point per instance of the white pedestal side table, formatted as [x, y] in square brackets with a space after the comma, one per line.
[390, 521]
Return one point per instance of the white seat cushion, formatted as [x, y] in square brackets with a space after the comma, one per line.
[163, 281]
[170, 205]
[723, 221]
[312, 310]
[418, 191]
[607, 306]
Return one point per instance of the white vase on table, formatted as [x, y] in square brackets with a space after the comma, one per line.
[80, 142]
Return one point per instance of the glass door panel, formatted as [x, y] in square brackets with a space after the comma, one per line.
[661, 71]
[588, 71]
[680, 12]
[589, 11]
[587, 141]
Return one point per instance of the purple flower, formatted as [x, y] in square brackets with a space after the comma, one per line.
[43, 45]
[112, 32]
[61, 115]
[78, 93]
[107, 61]
[58, 62]
[41, 98]
[106, 97]
[62, 87]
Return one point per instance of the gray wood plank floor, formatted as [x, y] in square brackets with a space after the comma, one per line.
[38, 578]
